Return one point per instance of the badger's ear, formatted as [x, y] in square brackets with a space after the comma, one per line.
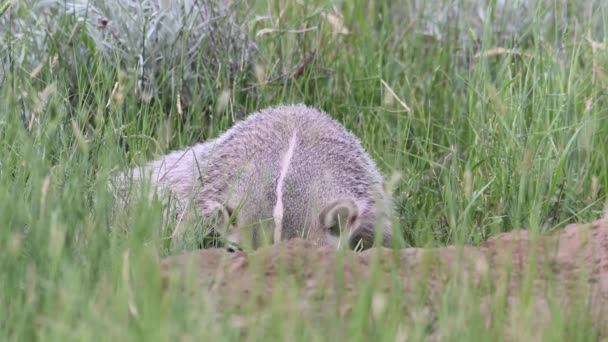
[338, 215]
[217, 217]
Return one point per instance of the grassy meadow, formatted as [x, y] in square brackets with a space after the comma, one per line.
[478, 129]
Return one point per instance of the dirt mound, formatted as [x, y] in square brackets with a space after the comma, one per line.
[568, 268]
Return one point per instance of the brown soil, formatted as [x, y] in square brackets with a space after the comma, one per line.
[569, 267]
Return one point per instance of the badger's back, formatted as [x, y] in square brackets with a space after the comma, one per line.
[284, 164]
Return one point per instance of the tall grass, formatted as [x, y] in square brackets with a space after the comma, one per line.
[502, 131]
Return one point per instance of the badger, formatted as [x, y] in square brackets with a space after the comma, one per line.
[284, 172]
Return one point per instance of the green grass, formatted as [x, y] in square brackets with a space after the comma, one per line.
[490, 144]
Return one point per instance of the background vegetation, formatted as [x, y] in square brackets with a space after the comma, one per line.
[492, 115]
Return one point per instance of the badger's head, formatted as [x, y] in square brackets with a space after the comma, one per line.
[340, 223]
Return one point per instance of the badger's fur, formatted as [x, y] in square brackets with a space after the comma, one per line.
[281, 173]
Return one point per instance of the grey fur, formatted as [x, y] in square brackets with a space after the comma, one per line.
[329, 173]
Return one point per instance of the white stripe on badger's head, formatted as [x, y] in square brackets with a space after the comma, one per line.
[278, 210]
